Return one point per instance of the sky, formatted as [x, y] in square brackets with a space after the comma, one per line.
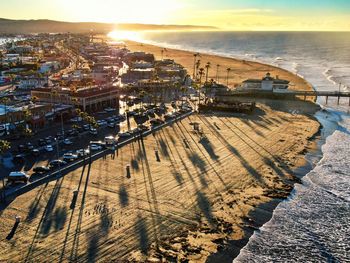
[254, 15]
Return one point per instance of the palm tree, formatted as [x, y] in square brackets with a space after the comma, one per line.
[198, 63]
[207, 66]
[227, 77]
[34, 99]
[27, 118]
[201, 73]
[195, 55]
[4, 101]
[4, 147]
[142, 95]
[217, 72]
[53, 93]
[162, 52]
[1, 59]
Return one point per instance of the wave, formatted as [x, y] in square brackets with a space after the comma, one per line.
[310, 226]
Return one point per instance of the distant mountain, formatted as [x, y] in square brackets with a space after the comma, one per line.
[8, 26]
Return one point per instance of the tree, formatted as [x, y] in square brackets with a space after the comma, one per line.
[217, 72]
[34, 99]
[195, 55]
[1, 59]
[142, 95]
[4, 101]
[201, 73]
[4, 147]
[198, 64]
[207, 66]
[162, 52]
[227, 77]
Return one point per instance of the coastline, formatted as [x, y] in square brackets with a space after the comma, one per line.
[240, 69]
[263, 212]
[200, 203]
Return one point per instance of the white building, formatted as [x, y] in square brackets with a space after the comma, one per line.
[267, 83]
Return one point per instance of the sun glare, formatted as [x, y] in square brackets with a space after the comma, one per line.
[119, 35]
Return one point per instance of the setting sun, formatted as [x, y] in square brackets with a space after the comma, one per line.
[119, 35]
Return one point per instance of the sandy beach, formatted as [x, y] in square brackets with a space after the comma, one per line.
[240, 69]
[200, 202]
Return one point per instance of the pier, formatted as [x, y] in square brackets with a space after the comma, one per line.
[291, 94]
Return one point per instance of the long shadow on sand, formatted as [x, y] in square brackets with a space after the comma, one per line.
[252, 171]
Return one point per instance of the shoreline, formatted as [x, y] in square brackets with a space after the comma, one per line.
[199, 203]
[247, 68]
[263, 212]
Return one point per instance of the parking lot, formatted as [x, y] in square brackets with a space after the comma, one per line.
[51, 153]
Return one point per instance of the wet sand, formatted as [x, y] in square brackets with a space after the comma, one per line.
[200, 202]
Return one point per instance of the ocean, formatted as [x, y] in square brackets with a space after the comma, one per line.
[313, 224]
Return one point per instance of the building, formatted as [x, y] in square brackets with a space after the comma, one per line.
[103, 74]
[15, 115]
[267, 83]
[32, 82]
[142, 65]
[138, 56]
[88, 98]
[135, 75]
[49, 66]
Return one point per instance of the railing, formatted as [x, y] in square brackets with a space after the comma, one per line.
[74, 165]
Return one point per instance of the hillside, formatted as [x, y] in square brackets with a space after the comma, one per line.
[8, 26]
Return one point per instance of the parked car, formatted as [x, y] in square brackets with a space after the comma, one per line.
[41, 169]
[67, 142]
[56, 163]
[124, 135]
[30, 146]
[82, 152]
[76, 119]
[103, 122]
[35, 152]
[111, 125]
[93, 131]
[95, 147]
[86, 127]
[143, 127]
[19, 158]
[109, 109]
[169, 116]
[156, 122]
[48, 148]
[41, 142]
[15, 177]
[69, 157]
[21, 148]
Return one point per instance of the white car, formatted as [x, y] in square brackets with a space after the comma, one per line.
[95, 147]
[48, 148]
[76, 119]
[82, 152]
[93, 131]
[17, 177]
[102, 122]
[69, 157]
[67, 142]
